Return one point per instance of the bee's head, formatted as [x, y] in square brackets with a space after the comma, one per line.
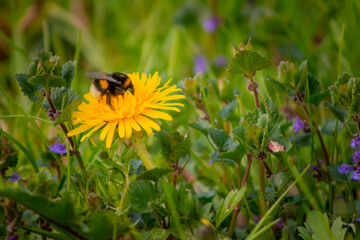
[121, 77]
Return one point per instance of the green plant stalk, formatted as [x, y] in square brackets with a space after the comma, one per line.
[351, 195]
[23, 116]
[331, 189]
[262, 189]
[70, 139]
[143, 154]
[68, 163]
[340, 50]
[167, 189]
[208, 109]
[274, 206]
[238, 208]
[174, 46]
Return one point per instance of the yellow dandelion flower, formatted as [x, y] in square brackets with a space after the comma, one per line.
[132, 112]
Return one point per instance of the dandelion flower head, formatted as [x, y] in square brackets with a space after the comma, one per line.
[132, 112]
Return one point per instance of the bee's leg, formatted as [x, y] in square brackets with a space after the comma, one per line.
[108, 100]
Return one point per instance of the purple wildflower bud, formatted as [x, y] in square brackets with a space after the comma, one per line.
[356, 157]
[220, 61]
[210, 162]
[279, 224]
[56, 114]
[211, 23]
[13, 237]
[298, 124]
[200, 64]
[49, 113]
[344, 168]
[356, 174]
[58, 148]
[14, 177]
[355, 142]
[358, 219]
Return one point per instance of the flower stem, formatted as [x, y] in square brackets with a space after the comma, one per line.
[65, 130]
[144, 155]
[256, 96]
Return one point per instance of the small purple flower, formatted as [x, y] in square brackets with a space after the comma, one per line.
[356, 157]
[210, 162]
[298, 124]
[200, 64]
[220, 61]
[356, 174]
[358, 219]
[279, 224]
[344, 168]
[211, 23]
[355, 142]
[14, 177]
[58, 148]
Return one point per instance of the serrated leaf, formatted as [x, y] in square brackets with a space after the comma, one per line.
[67, 112]
[48, 81]
[68, 72]
[339, 113]
[337, 176]
[304, 233]
[173, 145]
[141, 194]
[154, 174]
[247, 62]
[27, 88]
[62, 97]
[236, 155]
[228, 109]
[319, 225]
[221, 139]
[280, 179]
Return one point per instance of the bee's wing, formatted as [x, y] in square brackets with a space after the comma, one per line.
[101, 75]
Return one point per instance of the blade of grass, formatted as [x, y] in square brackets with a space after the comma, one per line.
[264, 229]
[24, 116]
[25, 151]
[274, 206]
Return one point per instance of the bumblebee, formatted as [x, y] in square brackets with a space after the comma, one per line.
[110, 84]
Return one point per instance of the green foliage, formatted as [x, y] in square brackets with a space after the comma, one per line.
[337, 176]
[173, 145]
[227, 206]
[154, 174]
[27, 88]
[318, 227]
[247, 62]
[141, 194]
[280, 179]
[67, 112]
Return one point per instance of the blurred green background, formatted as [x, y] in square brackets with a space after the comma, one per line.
[168, 36]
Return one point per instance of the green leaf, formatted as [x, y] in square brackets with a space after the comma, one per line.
[228, 109]
[157, 234]
[280, 179]
[274, 87]
[330, 125]
[141, 194]
[68, 72]
[205, 211]
[247, 62]
[154, 174]
[304, 233]
[62, 97]
[342, 207]
[319, 225]
[237, 154]
[67, 112]
[227, 206]
[339, 113]
[48, 81]
[221, 139]
[27, 88]
[301, 139]
[202, 126]
[337, 176]
[173, 145]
